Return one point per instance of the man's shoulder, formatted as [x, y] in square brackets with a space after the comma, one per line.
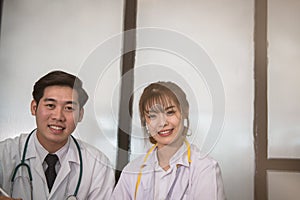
[91, 153]
[13, 142]
[12, 147]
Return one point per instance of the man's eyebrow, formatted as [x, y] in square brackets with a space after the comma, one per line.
[54, 100]
[49, 99]
[72, 102]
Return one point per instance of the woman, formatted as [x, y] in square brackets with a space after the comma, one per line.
[172, 168]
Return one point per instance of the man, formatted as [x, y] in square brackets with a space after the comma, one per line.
[60, 165]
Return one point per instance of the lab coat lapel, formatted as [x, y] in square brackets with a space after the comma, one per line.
[65, 169]
[34, 160]
[61, 176]
[146, 190]
[182, 184]
[147, 180]
[37, 171]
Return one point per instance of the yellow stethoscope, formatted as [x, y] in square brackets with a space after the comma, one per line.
[138, 181]
[23, 164]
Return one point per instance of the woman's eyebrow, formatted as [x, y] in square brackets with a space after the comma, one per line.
[150, 111]
[167, 108]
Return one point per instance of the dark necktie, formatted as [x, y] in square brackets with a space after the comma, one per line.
[50, 172]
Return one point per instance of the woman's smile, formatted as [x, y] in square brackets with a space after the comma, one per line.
[166, 132]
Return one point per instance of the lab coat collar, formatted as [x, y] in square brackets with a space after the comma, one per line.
[31, 150]
[179, 158]
[72, 156]
[148, 177]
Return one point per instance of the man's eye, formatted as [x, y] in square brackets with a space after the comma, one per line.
[69, 108]
[50, 106]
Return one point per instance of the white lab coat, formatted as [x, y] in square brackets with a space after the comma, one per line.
[199, 180]
[97, 178]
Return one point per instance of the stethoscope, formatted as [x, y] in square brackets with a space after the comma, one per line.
[138, 181]
[23, 164]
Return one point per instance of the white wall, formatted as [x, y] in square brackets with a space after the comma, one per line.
[224, 30]
[284, 73]
[283, 95]
[38, 36]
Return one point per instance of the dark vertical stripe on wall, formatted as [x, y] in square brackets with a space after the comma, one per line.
[1, 13]
[128, 60]
[260, 100]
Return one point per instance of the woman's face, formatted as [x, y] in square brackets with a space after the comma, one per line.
[165, 124]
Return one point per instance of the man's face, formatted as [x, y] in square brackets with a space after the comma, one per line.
[57, 115]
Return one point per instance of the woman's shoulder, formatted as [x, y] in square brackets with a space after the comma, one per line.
[200, 159]
[139, 160]
[135, 164]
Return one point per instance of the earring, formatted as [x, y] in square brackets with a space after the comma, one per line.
[186, 125]
[185, 122]
[147, 129]
[188, 132]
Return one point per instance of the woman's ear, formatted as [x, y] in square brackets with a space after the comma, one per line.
[33, 107]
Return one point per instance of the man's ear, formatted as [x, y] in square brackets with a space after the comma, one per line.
[81, 112]
[33, 107]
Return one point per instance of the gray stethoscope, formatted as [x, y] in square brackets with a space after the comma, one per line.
[23, 164]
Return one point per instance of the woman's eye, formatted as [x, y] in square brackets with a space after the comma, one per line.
[151, 116]
[170, 112]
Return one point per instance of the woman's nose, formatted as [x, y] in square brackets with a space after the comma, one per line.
[163, 120]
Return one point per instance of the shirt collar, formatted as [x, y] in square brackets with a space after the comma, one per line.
[42, 152]
[179, 158]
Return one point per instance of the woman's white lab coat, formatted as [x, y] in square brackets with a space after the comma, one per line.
[97, 178]
[201, 179]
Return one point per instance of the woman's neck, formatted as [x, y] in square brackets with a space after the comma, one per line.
[165, 153]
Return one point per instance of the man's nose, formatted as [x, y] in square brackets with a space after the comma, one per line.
[58, 114]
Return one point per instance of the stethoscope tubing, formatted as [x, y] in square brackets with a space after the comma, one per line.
[23, 164]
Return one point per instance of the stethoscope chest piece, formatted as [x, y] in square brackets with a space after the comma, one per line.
[71, 197]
